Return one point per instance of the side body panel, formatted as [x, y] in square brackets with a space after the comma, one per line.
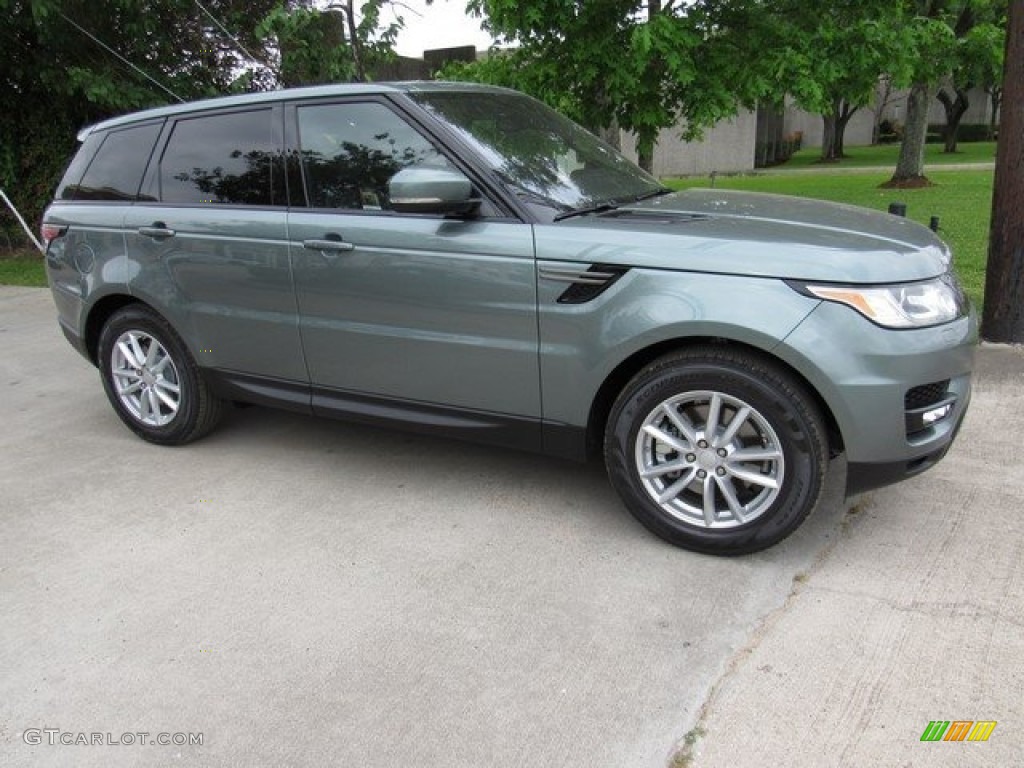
[582, 344]
[421, 309]
[224, 282]
[86, 263]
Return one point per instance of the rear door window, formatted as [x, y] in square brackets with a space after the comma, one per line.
[115, 171]
[225, 159]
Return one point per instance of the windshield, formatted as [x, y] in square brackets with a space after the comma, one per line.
[545, 157]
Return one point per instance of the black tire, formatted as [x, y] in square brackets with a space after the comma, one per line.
[720, 500]
[142, 395]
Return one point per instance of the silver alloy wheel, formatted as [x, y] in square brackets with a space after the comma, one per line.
[709, 459]
[145, 378]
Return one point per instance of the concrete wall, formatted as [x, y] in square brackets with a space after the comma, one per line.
[726, 148]
[858, 130]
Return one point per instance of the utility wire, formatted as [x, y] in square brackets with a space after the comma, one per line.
[233, 39]
[122, 58]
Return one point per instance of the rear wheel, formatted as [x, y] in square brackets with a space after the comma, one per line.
[717, 450]
[152, 381]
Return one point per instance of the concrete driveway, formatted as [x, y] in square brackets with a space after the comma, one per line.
[297, 592]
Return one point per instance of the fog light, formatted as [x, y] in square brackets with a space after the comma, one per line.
[935, 414]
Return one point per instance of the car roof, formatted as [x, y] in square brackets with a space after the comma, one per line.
[288, 94]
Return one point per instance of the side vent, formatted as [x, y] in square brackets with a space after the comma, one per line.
[585, 284]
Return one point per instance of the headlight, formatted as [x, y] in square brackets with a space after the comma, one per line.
[905, 305]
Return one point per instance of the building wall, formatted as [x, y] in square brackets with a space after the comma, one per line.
[858, 130]
[728, 147]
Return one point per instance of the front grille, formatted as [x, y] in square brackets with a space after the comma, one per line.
[925, 395]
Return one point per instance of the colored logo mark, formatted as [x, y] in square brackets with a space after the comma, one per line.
[958, 730]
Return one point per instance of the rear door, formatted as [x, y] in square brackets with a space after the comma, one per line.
[97, 189]
[420, 310]
[207, 243]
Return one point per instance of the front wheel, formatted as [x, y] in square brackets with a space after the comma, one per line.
[717, 450]
[152, 381]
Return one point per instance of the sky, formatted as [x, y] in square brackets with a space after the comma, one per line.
[443, 24]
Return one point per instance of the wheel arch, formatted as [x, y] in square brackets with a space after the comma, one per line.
[98, 315]
[613, 384]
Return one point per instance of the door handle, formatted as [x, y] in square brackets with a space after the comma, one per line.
[156, 230]
[328, 245]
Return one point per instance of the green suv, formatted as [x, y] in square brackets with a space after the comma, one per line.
[462, 260]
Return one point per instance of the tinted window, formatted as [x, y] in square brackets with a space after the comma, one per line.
[220, 159]
[350, 151]
[117, 167]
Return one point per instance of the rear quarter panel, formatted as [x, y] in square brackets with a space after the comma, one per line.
[88, 262]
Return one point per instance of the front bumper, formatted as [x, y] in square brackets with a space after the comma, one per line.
[898, 397]
[864, 476]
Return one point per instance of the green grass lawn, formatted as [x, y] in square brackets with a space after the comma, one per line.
[22, 268]
[885, 155]
[961, 199]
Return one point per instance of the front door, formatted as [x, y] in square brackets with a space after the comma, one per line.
[414, 310]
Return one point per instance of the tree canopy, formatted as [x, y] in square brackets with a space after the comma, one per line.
[641, 64]
[69, 63]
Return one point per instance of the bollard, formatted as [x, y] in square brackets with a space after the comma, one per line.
[933, 224]
[898, 209]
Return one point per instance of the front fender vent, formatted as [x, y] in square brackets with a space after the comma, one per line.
[585, 284]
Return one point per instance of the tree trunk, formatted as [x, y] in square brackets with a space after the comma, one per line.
[610, 135]
[842, 120]
[646, 138]
[910, 165]
[353, 40]
[1003, 320]
[993, 121]
[954, 109]
[645, 152]
[882, 101]
[828, 139]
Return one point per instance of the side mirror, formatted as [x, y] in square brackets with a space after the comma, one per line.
[431, 190]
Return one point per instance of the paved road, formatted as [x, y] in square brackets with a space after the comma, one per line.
[304, 592]
[914, 614]
[829, 168]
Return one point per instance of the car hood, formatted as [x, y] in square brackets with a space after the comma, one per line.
[747, 233]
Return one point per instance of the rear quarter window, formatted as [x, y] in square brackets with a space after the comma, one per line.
[113, 161]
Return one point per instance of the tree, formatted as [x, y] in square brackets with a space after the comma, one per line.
[67, 64]
[977, 61]
[643, 64]
[336, 44]
[883, 99]
[1003, 319]
[928, 40]
[830, 61]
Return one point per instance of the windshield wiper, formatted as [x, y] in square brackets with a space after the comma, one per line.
[600, 208]
[655, 193]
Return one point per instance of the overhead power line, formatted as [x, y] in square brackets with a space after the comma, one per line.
[231, 37]
[106, 47]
